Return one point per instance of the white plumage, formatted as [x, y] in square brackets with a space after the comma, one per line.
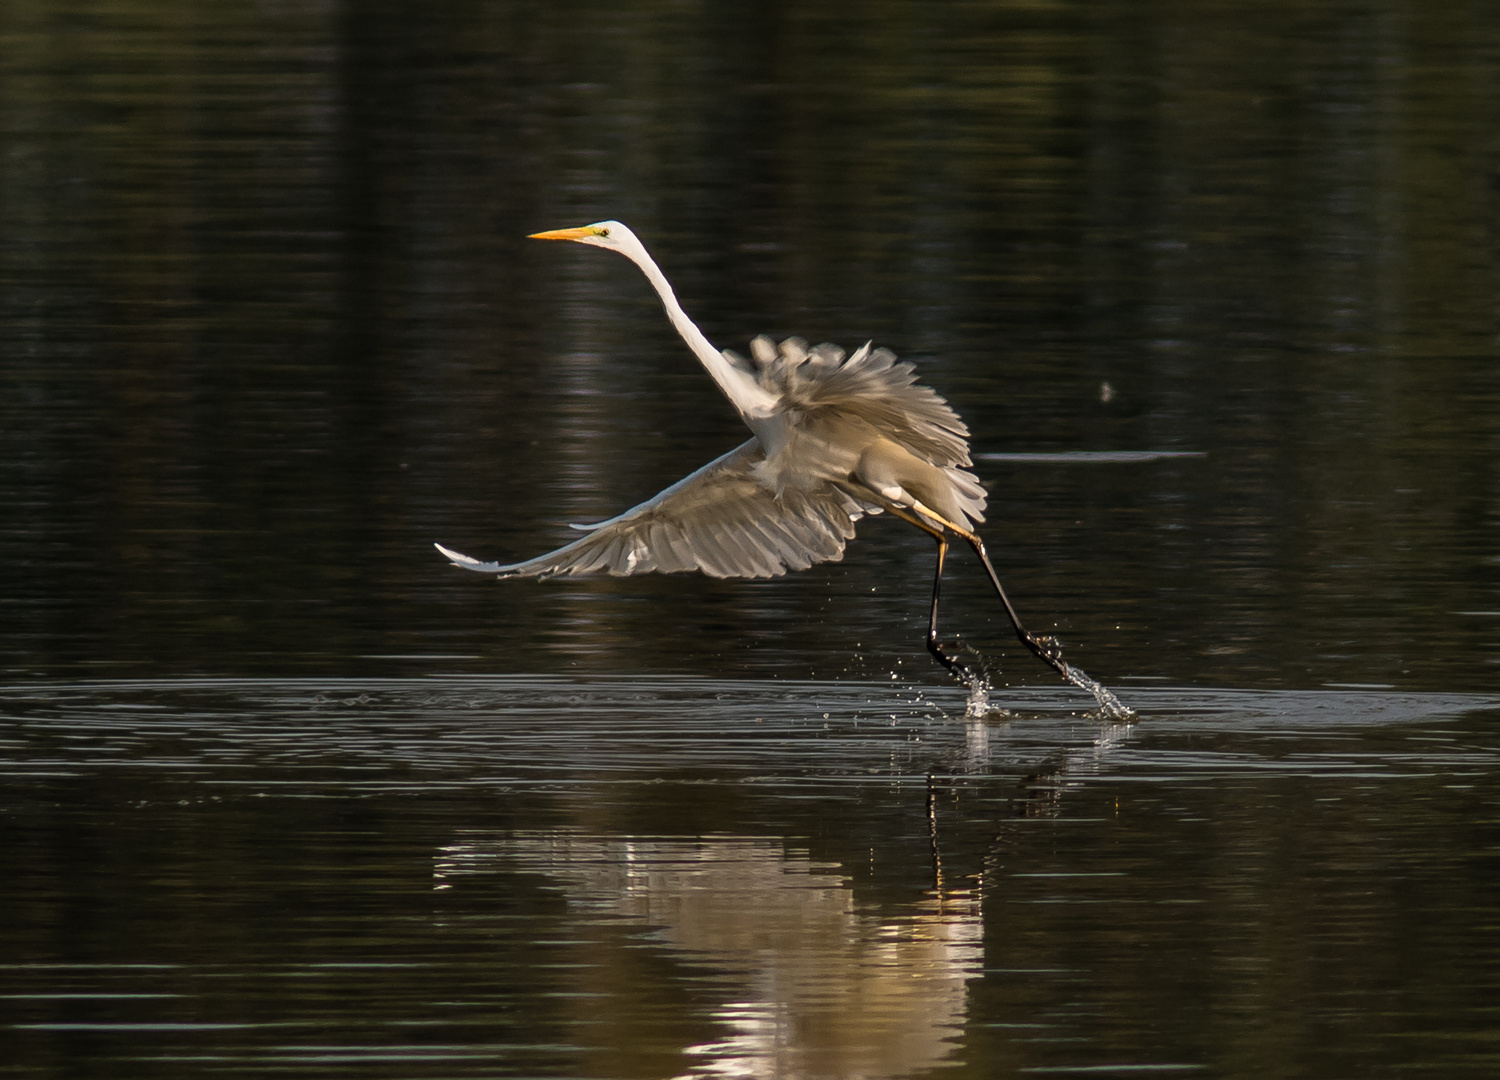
[834, 439]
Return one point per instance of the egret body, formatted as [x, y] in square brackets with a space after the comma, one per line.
[834, 438]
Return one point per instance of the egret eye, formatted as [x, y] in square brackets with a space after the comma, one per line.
[602, 232]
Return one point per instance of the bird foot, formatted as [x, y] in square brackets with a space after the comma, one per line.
[973, 675]
[970, 671]
[1045, 646]
[952, 664]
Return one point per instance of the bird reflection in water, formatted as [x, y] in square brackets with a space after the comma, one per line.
[815, 987]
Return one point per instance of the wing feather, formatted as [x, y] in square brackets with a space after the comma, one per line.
[874, 386]
[720, 520]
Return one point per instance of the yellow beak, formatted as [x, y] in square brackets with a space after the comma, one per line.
[563, 234]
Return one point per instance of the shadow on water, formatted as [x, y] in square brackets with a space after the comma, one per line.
[707, 877]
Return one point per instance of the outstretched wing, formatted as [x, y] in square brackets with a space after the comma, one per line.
[720, 520]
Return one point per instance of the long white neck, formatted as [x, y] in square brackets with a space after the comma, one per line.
[741, 388]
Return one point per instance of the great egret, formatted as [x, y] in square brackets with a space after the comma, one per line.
[834, 439]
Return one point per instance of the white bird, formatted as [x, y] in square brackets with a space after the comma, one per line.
[834, 439]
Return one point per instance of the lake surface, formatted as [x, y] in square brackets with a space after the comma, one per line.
[478, 876]
[1213, 285]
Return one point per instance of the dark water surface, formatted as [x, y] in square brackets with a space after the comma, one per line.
[1215, 287]
[642, 877]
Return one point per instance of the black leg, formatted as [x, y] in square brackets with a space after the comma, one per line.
[933, 646]
[953, 665]
[1049, 651]
[1046, 649]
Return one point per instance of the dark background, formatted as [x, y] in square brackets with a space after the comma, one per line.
[269, 326]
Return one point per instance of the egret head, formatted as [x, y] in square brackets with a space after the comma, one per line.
[605, 234]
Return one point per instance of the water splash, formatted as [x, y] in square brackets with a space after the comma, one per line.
[974, 672]
[975, 675]
[978, 705]
[1110, 707]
